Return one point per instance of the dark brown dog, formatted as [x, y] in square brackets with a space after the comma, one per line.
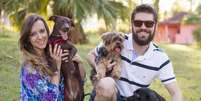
[73, 87]
[145, 94]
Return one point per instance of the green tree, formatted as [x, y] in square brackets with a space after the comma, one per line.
[156, 5]
[176, 8]
[197, 36]
[196, 19]
[18, 9]
[77, 10]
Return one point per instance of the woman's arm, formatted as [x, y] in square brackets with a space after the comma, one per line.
[91, 58]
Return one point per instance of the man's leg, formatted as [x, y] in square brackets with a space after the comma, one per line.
[106, 90]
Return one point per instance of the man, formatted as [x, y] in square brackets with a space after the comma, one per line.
[142, 60]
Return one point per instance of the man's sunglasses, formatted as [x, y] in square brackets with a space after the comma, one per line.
[138, 23]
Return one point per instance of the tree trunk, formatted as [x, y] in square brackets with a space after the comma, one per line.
[156, 5]
[77, 35]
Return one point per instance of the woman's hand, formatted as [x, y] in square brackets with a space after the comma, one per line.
[56, 54]
[65, 55]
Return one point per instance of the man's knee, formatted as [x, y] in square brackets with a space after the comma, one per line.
[106, 88]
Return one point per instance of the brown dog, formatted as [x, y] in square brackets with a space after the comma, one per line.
[145, 94]
[108, 53]
[73, 87]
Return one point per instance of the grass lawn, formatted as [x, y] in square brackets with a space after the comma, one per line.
[186, 61]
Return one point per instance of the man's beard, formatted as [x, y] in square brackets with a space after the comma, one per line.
[142, 42]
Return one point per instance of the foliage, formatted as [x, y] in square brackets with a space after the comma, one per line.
[195, 17]
[18, 9]
[197, 36]
[79, 10]
[156, 5]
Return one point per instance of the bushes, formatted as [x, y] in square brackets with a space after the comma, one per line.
[197, 36]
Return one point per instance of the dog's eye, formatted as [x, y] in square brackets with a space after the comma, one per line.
[115, 39]
[107, 42]
[121, 39]
[65, 30]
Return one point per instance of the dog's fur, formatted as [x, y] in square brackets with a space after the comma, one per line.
[145, 94]
[73, 88]
[108, 53]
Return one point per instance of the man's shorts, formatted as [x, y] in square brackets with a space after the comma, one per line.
[93, 94]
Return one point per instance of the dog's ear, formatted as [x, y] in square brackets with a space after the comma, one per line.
[122, 35]
[104, 36]
[160, 98]
[72, 23]
[102, 52]
[53, 18]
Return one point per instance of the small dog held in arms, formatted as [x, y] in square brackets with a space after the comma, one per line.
[108, 53]
[73, 87]
[145, 94]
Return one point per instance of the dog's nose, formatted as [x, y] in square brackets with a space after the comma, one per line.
[66, 25]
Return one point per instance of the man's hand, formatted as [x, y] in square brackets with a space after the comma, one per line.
[111, 65]
[77, 58]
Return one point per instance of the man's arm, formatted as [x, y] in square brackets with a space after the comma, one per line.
[91, 58]
[79, 60]
[174, 91]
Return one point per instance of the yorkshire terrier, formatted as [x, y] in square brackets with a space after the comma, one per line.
[108, 53]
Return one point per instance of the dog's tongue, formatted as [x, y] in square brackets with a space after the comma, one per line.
[118, 50]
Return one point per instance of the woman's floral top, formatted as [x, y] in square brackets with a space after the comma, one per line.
[37, 87]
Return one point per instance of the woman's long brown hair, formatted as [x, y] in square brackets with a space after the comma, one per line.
[29, 54]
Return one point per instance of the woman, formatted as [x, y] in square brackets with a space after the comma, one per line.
[38, 82]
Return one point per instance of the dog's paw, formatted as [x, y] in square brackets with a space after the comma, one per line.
[116, 74]
[116, 77]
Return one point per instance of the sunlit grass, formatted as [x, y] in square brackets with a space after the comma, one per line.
[9, 68]
[187, 67]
